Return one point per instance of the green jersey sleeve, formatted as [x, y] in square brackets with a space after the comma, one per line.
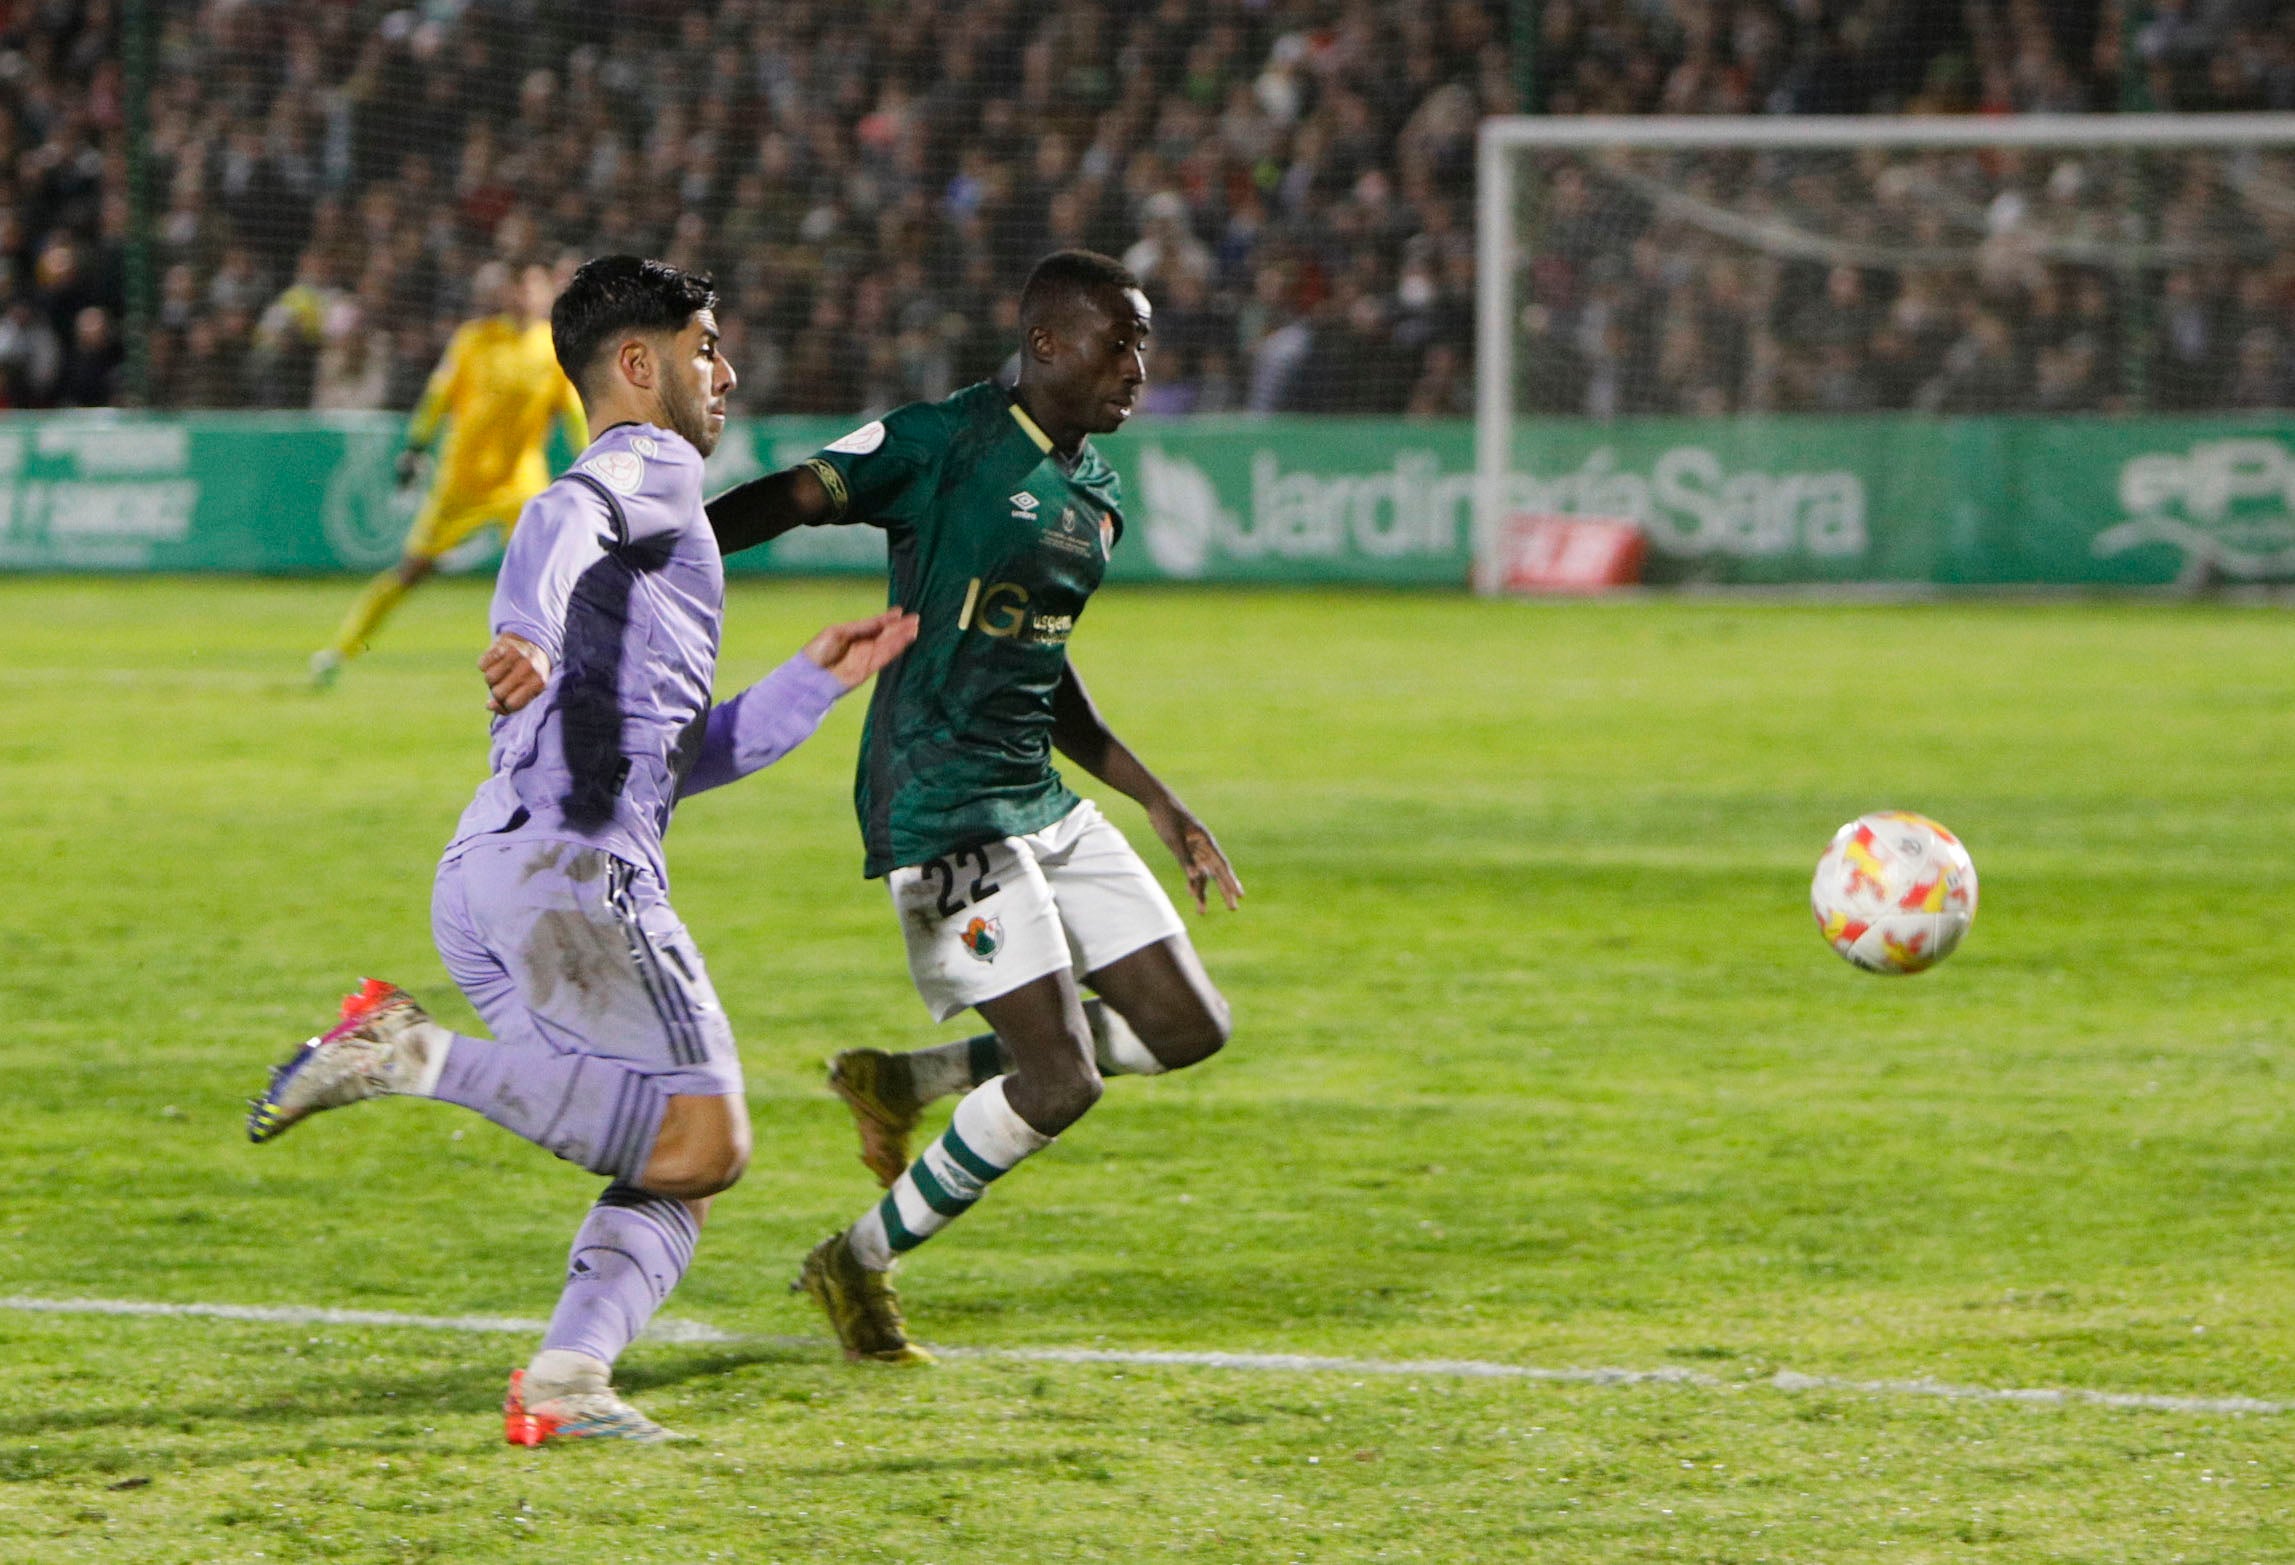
[882, 472]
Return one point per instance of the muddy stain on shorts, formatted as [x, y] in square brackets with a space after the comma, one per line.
[585, 953]
[591, 957]
[922, 916]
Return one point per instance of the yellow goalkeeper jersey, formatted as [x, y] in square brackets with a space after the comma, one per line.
[496, 390]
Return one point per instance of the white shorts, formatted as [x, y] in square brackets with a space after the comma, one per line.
[984, 921]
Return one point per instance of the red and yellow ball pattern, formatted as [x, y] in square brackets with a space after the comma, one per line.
[1894, 892]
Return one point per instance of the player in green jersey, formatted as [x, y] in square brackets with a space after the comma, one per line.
[1014, 895]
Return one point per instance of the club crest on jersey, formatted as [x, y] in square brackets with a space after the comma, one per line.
[983, 938]
[1073, 537]
[1024, 506]
[621, 471]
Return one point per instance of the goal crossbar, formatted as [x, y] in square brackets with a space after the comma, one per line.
[1725, 132]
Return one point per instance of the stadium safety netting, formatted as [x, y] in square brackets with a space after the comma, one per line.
[231, 203]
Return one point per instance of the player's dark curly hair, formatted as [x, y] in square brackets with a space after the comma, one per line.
[613, 294]
[1068, 274]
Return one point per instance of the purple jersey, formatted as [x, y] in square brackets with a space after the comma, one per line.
[614, 573]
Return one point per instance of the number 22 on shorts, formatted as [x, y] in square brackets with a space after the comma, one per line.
[949, 874]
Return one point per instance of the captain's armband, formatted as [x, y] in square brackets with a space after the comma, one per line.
[834, 482]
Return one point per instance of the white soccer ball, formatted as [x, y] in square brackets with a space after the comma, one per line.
[1894, 892]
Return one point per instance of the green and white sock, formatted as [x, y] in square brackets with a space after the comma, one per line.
[982, 1144]
[949, 1068]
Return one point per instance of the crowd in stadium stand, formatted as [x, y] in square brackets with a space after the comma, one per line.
[1292, 178]
[1945, 281]
[1912, 56]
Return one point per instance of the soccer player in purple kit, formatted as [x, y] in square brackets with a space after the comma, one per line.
[551, 905]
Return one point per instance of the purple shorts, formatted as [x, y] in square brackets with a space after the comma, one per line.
[562, 946]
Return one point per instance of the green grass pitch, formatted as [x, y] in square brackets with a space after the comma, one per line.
[1539, 1061]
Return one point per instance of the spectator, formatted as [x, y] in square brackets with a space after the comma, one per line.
[2192, 350]
[1191, 327]
[1168, 249]
[31, 356]
[1276, 337]
[1442, 389]
[1351, 364]
[2261, 372]
[91, 368]
[209, 374]
[353, 368]
[1980, 373]
[2068, 375]
[290, 332]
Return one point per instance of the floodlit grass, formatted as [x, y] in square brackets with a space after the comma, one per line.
[1538, 1061]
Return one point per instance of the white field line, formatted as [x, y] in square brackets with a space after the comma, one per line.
[312, 1315]
[683, 1331]
[155, 675]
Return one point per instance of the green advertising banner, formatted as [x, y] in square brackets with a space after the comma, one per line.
[98, 491]
[1782, 500]
[1298, 499]
[1974, 501]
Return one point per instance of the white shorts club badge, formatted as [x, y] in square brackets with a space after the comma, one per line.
[984, 937]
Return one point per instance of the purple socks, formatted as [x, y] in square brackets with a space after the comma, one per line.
[629, 1252]
[633, 1246]
[587, 1110]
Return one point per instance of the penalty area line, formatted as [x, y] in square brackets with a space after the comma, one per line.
[697, 1332]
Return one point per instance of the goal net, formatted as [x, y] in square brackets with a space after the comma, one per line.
[1702, 338]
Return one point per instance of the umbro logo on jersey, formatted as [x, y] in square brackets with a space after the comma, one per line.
[1024, 506]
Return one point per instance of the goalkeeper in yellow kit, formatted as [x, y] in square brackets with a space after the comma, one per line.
[497, 390]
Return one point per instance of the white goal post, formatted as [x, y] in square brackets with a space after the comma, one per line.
[1504, 251]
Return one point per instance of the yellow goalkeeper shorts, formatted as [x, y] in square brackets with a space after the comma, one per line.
[448, 518]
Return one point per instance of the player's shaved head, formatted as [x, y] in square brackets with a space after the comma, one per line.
[1066, 279]
[614, 296]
